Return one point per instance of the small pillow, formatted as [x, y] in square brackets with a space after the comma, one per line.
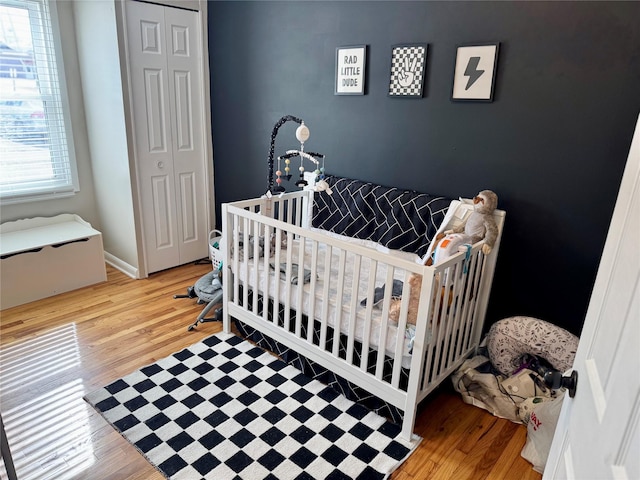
[510, 339]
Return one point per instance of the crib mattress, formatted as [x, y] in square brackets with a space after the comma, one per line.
[320, 301]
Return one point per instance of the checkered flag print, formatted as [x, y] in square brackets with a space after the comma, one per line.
[225, 409]
[407, 70]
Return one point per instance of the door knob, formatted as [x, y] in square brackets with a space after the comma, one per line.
[160, 164]
[554, 379]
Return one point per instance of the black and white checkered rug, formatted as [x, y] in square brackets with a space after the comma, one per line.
[225, 409]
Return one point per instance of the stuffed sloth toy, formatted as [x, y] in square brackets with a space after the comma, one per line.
[478, 226]
[481, 224]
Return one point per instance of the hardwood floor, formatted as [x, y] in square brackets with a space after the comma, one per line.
[55, 350]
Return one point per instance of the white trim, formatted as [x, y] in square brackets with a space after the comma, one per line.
[206, 95]
[121, 265]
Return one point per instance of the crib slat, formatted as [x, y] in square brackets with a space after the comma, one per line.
[458, 315]
[462, 311]
[290, 215]
[276, 284]
[265, 265]
[235, 247]
[245, 264]
[353, 308]
[451, 298]
[402, 325]
[256, 230]
[300, 289]
[265, 268]
[466, 310]
[448, 305]
[475, 330]
[445, 319]
[325, 294]
[436, 322]
[471, 303]
[384, 328]
[366, 335]
[314, 281]
[298, 206]
[338, 321]
[287, 277]
[275, 207]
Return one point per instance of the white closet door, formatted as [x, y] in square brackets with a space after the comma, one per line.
[166, 89]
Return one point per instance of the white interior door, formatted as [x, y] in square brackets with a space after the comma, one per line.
[598, 432]
[166, 87]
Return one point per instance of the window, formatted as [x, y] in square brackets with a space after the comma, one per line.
[36, 152]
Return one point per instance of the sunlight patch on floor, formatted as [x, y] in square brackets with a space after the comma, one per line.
[49, 434]
[28, 362]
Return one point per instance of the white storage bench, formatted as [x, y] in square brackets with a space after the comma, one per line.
[45, 256]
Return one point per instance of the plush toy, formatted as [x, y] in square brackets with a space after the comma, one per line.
[415, 282]
[322, 186]
[478, 226]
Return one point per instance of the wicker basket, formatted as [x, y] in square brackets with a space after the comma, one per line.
[215, 237]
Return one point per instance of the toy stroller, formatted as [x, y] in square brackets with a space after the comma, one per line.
[208, 288]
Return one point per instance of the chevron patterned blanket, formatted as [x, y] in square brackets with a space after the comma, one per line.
[398, 219]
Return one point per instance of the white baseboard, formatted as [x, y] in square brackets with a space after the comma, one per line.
[121, 265]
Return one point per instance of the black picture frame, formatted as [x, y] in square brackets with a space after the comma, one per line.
[407, 71]
[351, 64]
[474, 72]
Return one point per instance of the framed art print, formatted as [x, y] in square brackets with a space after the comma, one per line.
[407, 70]
[474, 75]
[350, 66]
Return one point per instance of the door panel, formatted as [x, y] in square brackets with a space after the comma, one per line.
[162, 212]
[184, 127]
[180, 40]
[152, 135]
[150, 35]
[186, 122]
[166, 89]
[189, 207]
[154, 93]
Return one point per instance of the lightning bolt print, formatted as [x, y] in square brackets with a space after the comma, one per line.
[472, 71]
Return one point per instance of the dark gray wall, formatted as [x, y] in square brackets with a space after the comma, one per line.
[552, 145]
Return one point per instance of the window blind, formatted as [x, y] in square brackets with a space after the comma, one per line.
[36, 160]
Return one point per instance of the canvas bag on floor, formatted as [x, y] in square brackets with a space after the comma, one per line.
[540, 430]
[481, 385]
[483, 389]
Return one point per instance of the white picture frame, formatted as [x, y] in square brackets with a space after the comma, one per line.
[351, 63]
[474, 74]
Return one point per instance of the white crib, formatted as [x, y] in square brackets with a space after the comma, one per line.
[313, 292]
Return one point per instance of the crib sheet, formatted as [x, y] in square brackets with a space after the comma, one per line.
[314, 303]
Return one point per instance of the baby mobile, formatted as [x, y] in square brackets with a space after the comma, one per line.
[319, 171]
[302, 134]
